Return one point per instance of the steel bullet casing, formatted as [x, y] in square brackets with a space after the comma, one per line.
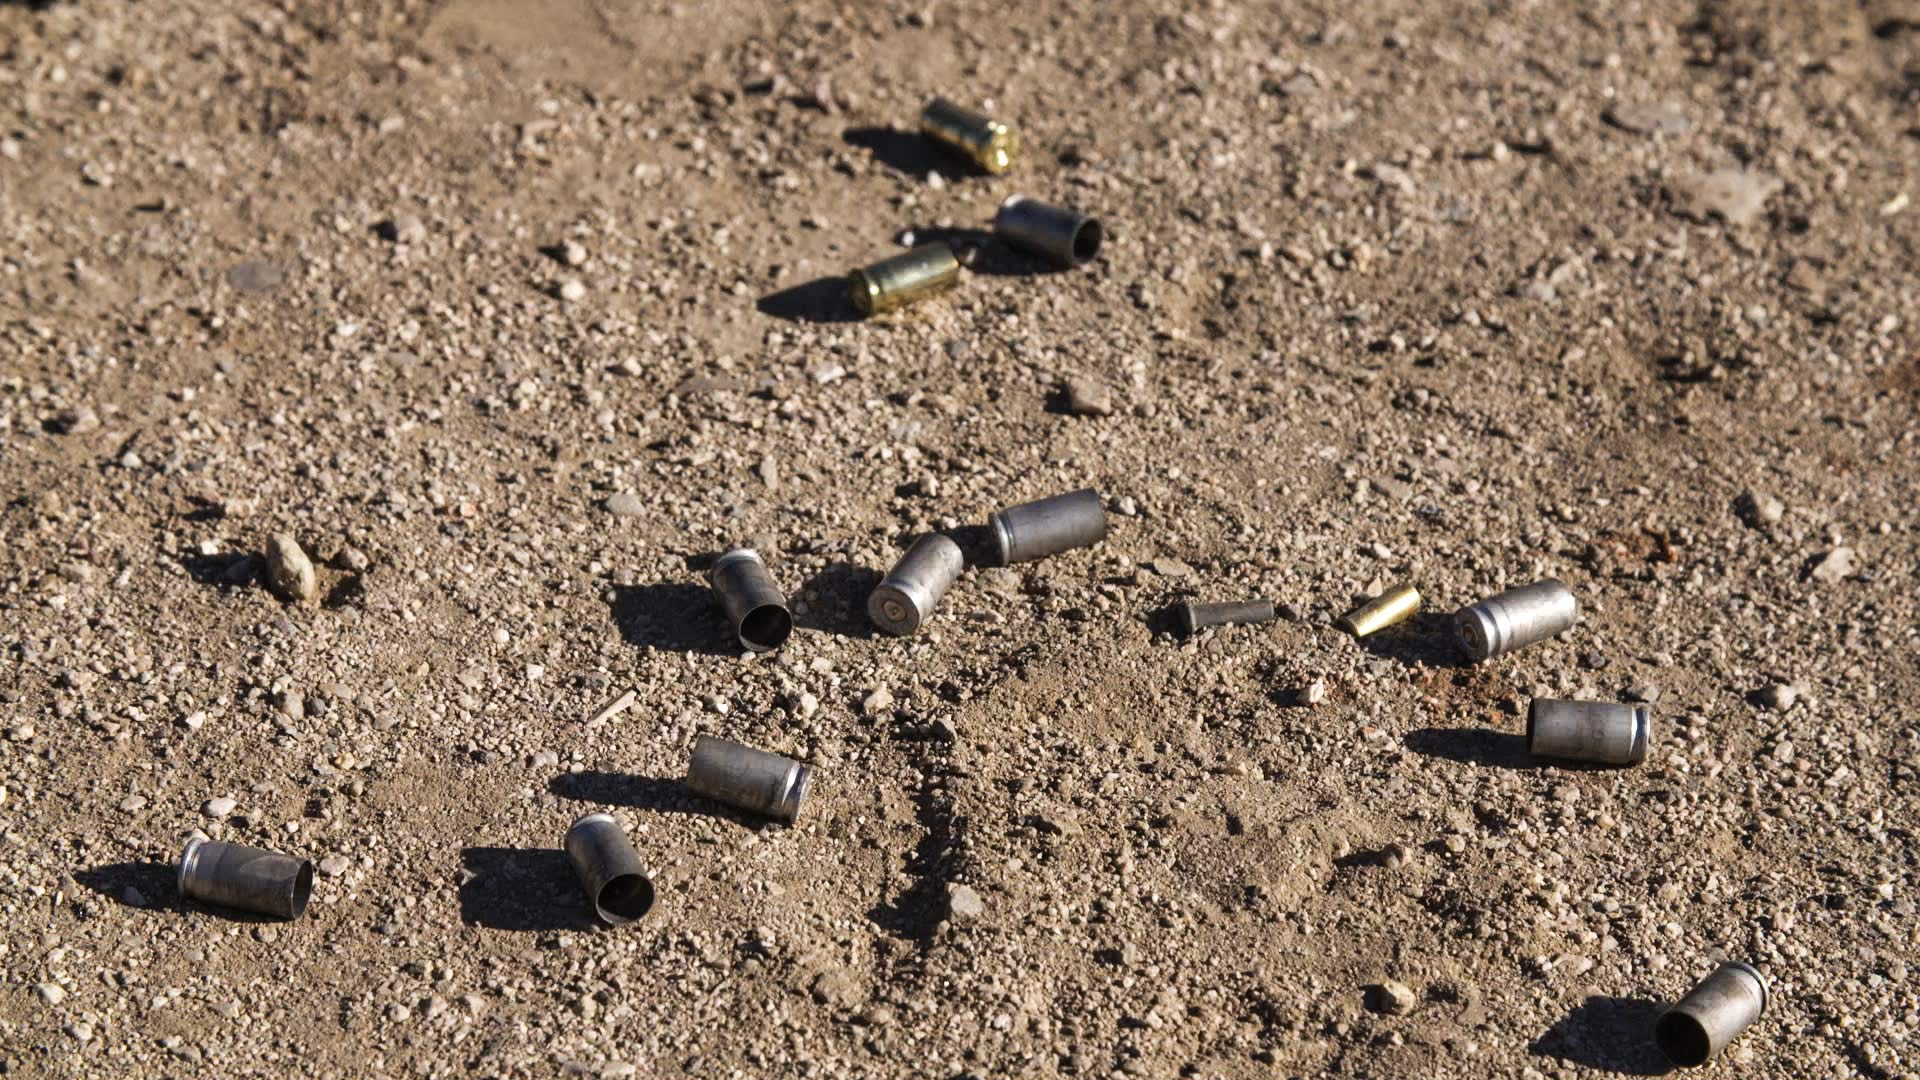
[1197, 617]
[747, 778]
[1604, 731]
[248, 878]
[989, 143]
[901, 280]
[1516, 618]
[1065, 237]
[755, 606]
[1048, 526]
[904, 599]
[609, 869]
[1397, 604]
[1695, 1029]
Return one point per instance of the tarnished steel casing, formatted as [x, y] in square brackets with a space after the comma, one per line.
[1060, 235]
[750, 779]
[1696, 1028]
[248, 878]
[1048, 526]
[610, 871]
[905, 598]
[1516, 618]
[1608, 732]
[755, 606]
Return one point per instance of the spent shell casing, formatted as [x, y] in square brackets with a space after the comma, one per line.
[747, 778]
[1048, 526]
[905, 597]
[248, 878]
[1197, 617]
[1063, 236]
[1397, 604]
[1608, 732]
[904, 278]
[609, 869]
[1516, 618]
[755, 606]
[1696, 1028]
[988, 143]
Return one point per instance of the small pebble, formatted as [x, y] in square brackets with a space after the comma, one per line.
[964, 904]
[1834, 567]
[571, 290]
[625, 504]
[1779, 697]
[289, 571]
[333, 866]
[1395, 998]
[1088, 397]
[218, 808]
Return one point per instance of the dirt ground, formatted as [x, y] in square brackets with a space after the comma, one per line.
[1622, 294]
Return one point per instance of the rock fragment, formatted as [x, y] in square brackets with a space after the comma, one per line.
[1735, 196]
[1392, 997]
[218, 808]
[78, 420]
[625, 504]
[289, 571]
[1834, 567]
[1779, 697]
[1759, 509]
[1650, 118]
[1088, 397]
[963, 904]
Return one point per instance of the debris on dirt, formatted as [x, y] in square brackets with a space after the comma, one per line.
[1759, 509]
[289, 572]
[964, 904]
[1649, 118]
[1735, 196]
[1392, 998]
[1835, 566]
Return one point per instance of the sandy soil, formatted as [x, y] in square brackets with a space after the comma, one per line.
[1621, 294]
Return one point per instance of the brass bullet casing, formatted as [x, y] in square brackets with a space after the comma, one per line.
[609, 869]
[248, 878]
[1697, 1027]
[1395, 605]
[903, 279]
[989, 144]
[1061, 236]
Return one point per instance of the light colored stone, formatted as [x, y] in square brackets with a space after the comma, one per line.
[1088, 397]
[625, 504]
[218, 808]
[1396, 998]
[1735, 196]
[289, 571]
[877, 702]
[1836, 566]
[964, 904]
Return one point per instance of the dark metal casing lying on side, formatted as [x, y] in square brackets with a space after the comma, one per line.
[1608, 732]
[904, 599]
[988, 143]
[1048, 526]
[755, 606]
[1696, 1028]
[609, 869]
[750, 779]
[1197, 617]
[1516, 618]
[1063, 236]
[248, 878]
